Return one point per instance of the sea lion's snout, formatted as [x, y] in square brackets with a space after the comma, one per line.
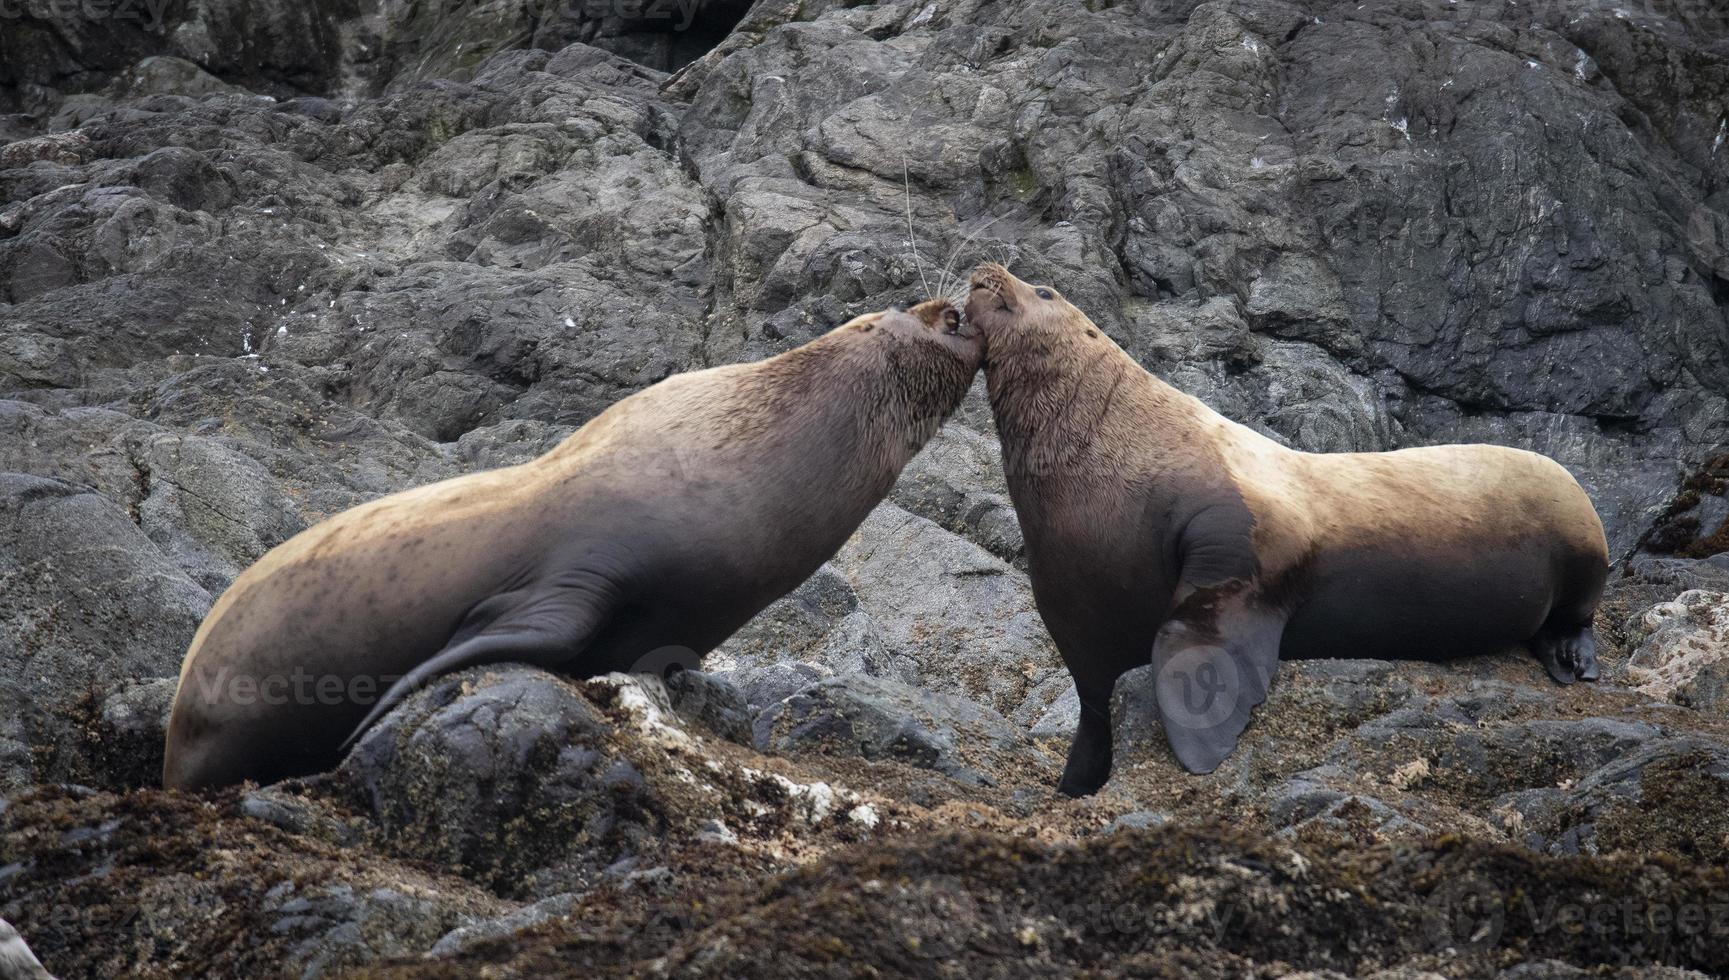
[993, 293]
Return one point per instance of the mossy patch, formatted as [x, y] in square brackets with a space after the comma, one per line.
[1679, 531]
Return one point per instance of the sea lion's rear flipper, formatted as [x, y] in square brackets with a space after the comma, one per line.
[1213, 662]
[547, 629]
[1567, 653]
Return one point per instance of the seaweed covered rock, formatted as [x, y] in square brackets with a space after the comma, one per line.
[107, 885]
[1683, 650]
[509, 775]
[1695, 523]
[1666, 796]
[1208, 904]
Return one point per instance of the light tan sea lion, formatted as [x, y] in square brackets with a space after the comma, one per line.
[662, 525]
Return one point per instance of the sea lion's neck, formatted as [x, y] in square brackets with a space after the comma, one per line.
[1060, 407]
[870, 406]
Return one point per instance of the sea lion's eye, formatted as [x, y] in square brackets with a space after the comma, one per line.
[1044, 294]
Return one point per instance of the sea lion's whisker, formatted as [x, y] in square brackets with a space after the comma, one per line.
[913, 239]
[942, 277]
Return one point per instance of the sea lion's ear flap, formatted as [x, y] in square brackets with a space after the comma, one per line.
[1213, 662]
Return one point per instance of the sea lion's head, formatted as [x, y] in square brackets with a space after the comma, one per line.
[914, 365]
[927, 343]
[1015, 315]
[934, 324]
[1050, 371]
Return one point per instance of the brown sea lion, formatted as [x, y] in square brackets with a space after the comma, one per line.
[664, 524]
[1158, 531]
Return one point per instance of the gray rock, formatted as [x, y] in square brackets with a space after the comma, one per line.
[48, 49]
[879, 719]
[509, 443]
[508, 773]
[168, 75]
[937, 601]
[1136, 731]
[211, 508]
[134, 724]
[1664, 793]
[1312, 800]
[716, 832]
[769, 684]
[817, 630]
[92, 604]
[1138, 820]
[1694, 523]
[1062, 717]
[710, 702]
[533, 914]
[1683, 650]
[957, 482]
[334, 927]
[1681, 574]
[16, 960]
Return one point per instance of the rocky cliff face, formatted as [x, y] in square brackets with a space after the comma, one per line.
[260, 262]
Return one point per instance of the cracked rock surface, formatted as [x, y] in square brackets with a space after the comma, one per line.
[262, 262]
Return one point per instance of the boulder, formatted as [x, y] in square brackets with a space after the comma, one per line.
[879, 719]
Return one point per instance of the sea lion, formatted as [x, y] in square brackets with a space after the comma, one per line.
[664, 524]
[1158, 531]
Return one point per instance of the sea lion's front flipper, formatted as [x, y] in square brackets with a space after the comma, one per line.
[1213, 662]
[548, 628]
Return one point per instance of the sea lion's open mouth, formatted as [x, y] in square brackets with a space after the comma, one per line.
[956, 324]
